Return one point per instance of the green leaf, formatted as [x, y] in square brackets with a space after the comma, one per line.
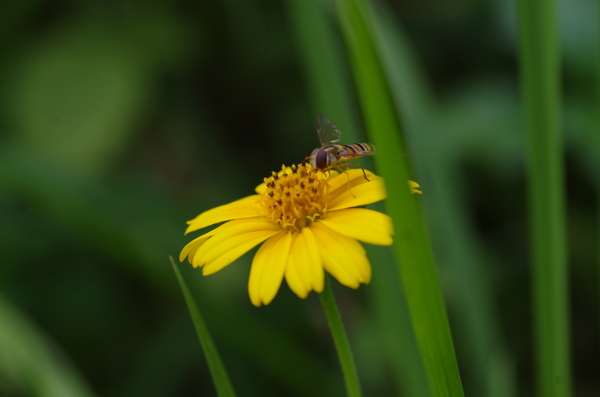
[456, 243]
[342, 346]
[412, 246]
[541, 79]
[215, 365]
[330, 86]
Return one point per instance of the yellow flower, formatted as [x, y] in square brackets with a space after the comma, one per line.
[308, 222]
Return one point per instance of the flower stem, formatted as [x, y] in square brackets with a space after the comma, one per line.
[341, 340]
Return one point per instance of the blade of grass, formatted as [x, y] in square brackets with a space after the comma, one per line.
[329, 87]
[341, 340]
[540, 75]
[412, 246]
[388, 302]
[486, 360]
[215, 365]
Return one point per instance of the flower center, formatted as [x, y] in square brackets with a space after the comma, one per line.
[295, 197]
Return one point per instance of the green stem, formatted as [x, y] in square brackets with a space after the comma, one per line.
[540, 74]
[341, 340]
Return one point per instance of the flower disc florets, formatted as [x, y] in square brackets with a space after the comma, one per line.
[295, 197]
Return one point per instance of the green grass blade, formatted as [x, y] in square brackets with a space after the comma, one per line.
[342, 345]
[486, 359]
[540, 74]
[328, 79]
[215, 365]
[390, 313]
[412, 246]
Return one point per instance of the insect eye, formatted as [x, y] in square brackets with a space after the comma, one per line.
[321, 159]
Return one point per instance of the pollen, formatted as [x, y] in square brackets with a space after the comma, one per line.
[295, 197]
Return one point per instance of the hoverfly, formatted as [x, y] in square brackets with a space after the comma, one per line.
[329, 155]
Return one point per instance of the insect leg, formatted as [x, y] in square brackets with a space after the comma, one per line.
[339, 168]
[361, 167]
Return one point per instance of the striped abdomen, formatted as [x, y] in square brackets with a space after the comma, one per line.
[355, 150]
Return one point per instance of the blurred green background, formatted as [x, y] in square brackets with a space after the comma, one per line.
[119, 121]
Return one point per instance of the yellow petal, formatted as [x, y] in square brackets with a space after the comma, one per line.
[260, 189]
[362, 224]
[230, 235]
[268, 267]
[349, 178]
[292, 270]
[304, 271]
[243, 244]
[332, 174]
[312, 272]
[414, 187]
[243, 208]
[362, 194]
[344, 258]
[192, 247]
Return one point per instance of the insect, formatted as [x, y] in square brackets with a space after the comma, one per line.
[329, 155]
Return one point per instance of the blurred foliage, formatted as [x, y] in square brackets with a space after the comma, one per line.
[119, 121]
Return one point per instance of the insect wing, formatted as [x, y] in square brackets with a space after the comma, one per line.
[328, 132]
